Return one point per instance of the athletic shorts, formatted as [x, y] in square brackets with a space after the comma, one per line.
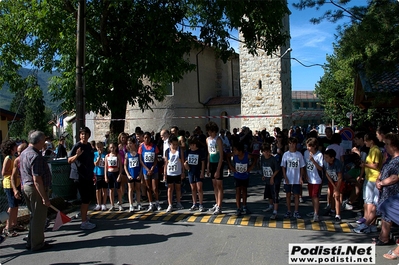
[241, 182]
[212, 170]
[194, 179]
[294, 188]
[101, 184]
[86, 189]
[173, 179]
[133, 180]
[341, 189]
[314, 190]
[271, 191]
[370, 192]
[112, 177]
[153, 176]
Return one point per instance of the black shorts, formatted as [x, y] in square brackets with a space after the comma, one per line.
[86, 189]
[173, 179]
[133, 180]
[212, 170]
[101, 184]
[241, 182]
[112, 177]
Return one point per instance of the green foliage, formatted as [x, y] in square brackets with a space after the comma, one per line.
[134, 49]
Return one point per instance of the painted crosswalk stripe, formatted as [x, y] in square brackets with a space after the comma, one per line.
[232, 220]
[245, 220]
[205, 219]
[259, 221]
[219, 218]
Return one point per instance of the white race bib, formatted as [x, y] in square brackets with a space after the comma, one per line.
[193, 159]
[112, 161]
[133, 162]
[149, 157]
[241, 168]
[267, 172]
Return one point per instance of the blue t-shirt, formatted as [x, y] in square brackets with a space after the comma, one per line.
[133, 165]
[194, 160]
[99, 170]
[241, 166]
[334, 169]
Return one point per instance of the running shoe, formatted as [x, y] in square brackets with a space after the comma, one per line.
[245, 210]
[311, 214]
[111, 208]
[362, 229]
[238, 212]
[169, 209]
[179, 206]
[348, 207]
[217, 211]
[297, 215]
[159, 208]
[120, 208]
[361, 220]
[273, 216]
[193, 208]
[201, 208]
[97, 208]
[131, 208]
[213, 208]
[150, 208]
[103, 207]
[139, 207]
[287, 215]
[315, 218]
[338, 219]
[87, 225]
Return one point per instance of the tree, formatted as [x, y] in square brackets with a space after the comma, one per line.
[370, 38]
[133, 48]
[370, 42]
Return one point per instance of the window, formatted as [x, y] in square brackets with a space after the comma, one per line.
[170, 89]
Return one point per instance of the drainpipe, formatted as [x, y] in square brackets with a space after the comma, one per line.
[198, 83]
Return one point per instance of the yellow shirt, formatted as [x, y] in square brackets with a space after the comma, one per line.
[7, 177]
[374, 157]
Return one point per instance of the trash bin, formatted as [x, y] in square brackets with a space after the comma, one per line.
[62, 186]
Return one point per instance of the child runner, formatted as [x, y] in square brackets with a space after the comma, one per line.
[292, 165]
[173, 171]
[133, 171]
[270, 169]
[113, 167]
[241, 167]
[195, 165]
[101, 185]
[215, 164]
[148, 159]
[314, 166]
[333, 170]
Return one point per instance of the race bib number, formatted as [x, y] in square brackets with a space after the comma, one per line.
[172, 168]
[149, 157]
[212, 149]
[241, 168]
[192, 159]
[293, 163]
[112, 161]
[310, 166]
[333, 175]
[267, 172]
[133, 162]
[101, 162]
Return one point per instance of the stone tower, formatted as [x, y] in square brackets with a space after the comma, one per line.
[266, 87]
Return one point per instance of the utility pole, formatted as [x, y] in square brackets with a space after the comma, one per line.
[80, 63]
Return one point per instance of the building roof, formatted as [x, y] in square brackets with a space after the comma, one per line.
[383, 86]
[223, 101]
[9, 115]
[304, 95]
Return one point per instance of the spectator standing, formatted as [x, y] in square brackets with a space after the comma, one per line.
[36, 178]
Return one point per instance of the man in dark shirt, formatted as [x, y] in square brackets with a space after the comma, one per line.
[36, 177]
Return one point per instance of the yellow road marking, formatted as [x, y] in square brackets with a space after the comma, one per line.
[167, 217]
[219, 219]
[156, 217]
[330, 226]
[300, 224]
[205, 219]
[345, 228]
[259, 221]
[245, 220]
[232, 220]
[273, 223]
[180, 217]
[134, 216]
[316, 226]
[111, 215]
[144, 216]
[286, 223]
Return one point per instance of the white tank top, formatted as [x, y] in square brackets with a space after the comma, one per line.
[174, 163]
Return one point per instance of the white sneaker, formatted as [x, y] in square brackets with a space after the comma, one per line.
[213, 208]
[169, 209]
[315, 218]
[120, 208]
[97, 208]
[150, 208]
[139, 207]
[201, 208]
[112, 208]
[159, 208]
[87, 225]
[131, 209]
[103, 207]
